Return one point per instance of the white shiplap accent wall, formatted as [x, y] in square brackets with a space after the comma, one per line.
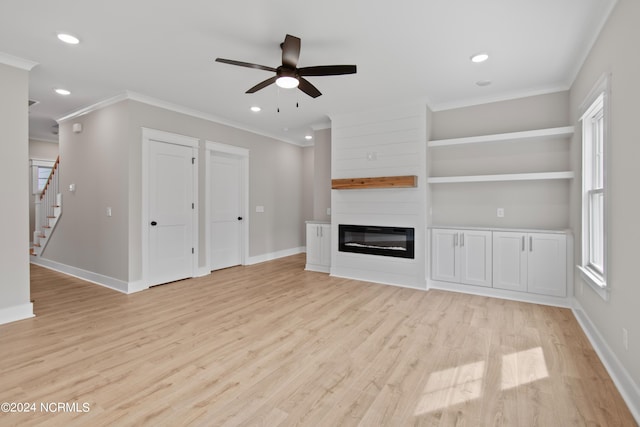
[397, 138]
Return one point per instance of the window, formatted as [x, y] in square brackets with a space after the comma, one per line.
[594, 143]
[40, 170]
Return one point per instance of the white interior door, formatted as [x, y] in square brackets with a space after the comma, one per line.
[226, 210]
[171, 212]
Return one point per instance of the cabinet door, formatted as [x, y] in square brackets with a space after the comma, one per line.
[444, 262]
[547, 258]
[475, 257]
[313, 244]
[325, 244]
[510, 253]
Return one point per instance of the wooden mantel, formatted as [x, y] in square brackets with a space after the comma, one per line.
[407, 181]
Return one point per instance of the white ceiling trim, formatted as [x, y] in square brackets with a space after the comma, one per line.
[488, 100]
[17, 62]
[133, 96]
[201, 115]
[592, 41]
[94, 107]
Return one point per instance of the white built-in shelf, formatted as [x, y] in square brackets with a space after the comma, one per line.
[502, 177]
[528, 135]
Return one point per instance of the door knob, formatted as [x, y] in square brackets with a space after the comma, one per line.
[153, 223]
[239, 218]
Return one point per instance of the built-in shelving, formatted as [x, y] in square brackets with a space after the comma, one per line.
[529, 135]
[502, 177]
[560, 133]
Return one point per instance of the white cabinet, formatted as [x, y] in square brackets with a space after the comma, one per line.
[318, 247]
[461, 256]
[530, 262]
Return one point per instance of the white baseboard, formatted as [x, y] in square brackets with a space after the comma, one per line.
[349, 274]
[501, 294]
[136, 286]
[202, 271]
[89, 276]
[627, 387]
[16, 312]
[275, 255]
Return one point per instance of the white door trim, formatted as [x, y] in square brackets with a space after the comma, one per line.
[243, 153]
[149, 135]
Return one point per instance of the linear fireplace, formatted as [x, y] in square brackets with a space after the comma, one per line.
[385, 241]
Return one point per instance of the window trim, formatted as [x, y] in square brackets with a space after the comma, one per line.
[35, 165]
[597, 100]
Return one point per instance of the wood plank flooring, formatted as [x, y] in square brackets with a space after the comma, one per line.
[273, 345]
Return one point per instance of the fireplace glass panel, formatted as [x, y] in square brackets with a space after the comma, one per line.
[385, 241]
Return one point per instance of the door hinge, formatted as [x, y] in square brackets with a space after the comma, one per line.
[193, 205]
[193, 251]
[193, 160]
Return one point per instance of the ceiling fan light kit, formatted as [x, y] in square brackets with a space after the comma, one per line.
[288, 75]
[287, 82]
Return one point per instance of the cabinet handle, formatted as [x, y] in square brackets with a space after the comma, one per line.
[455, 239]
[317, 231]
[530, 244]
[523, 244]
[461, 239]
[321, 232]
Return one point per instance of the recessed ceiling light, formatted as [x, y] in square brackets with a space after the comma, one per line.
[308, 137]
[479, 57]
[68, 38]
[483, 82]
[255, 109]
[60, 91]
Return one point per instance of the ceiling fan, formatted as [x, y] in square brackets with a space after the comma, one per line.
[288, 75]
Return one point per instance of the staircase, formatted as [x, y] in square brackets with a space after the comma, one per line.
[48, 211]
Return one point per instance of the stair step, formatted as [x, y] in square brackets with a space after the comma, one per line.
[51, 217]
[45, 226]
[36, 244]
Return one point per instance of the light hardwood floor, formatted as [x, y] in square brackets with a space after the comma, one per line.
[273, 345]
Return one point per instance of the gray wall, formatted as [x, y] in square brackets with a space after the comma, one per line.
[96, 161]
[322, 174]
[530, 204]
[104, 161]
[14, 185]
[615, 52]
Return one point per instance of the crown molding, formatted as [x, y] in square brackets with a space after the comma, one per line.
[155, 102]
[17, 62]
[489, 99]
[94, 107]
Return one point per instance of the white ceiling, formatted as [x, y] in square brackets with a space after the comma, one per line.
[406, 51]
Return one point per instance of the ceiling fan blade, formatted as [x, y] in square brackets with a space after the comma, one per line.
[245, 64]
[290, 51]
[308, 88]
[263, 84]
[327, 70]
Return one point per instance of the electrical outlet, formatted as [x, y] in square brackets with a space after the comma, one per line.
[329, 211]
[625, 339]
[500, 212]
